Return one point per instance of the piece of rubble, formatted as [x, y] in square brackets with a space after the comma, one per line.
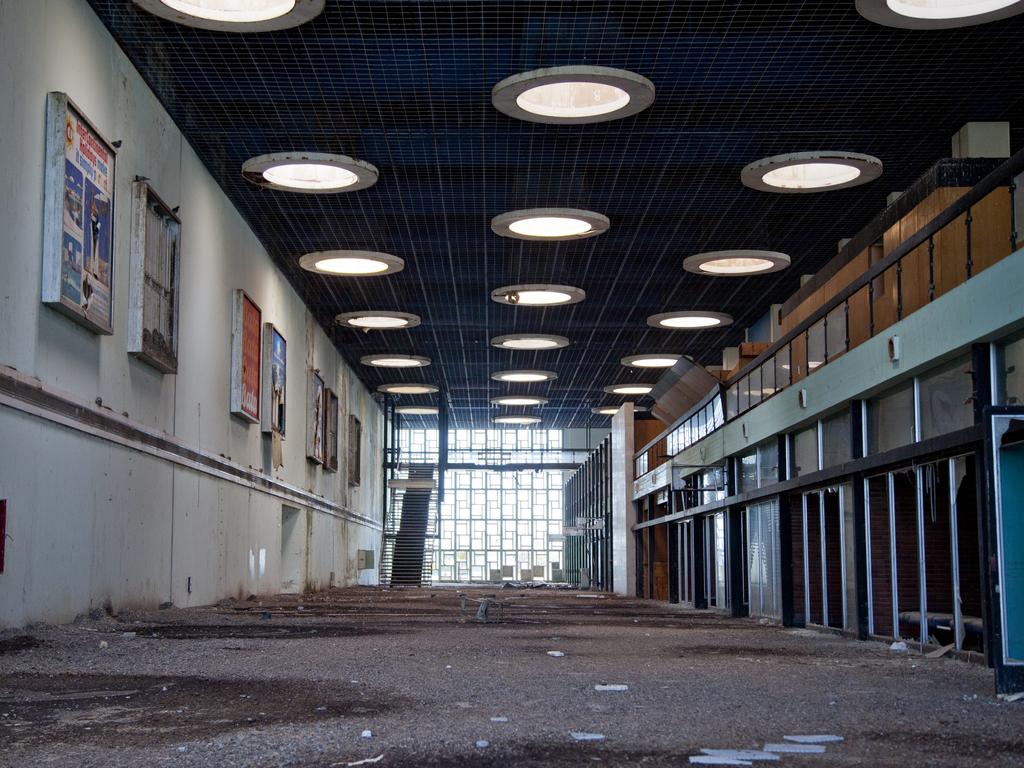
[818, 738]
[584, 736]
[610, 687]
[556, 654]
[752, 755]
[800, 749]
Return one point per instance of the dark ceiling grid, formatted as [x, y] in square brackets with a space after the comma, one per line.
[406, 86]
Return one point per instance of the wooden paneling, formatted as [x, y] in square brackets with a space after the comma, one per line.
[847, 274]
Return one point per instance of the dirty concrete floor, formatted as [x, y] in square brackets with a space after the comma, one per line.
[267, 683]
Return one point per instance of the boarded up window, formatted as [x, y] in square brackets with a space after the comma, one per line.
[156, 256]
[355, 441]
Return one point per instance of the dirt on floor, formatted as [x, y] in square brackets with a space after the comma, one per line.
[408, 677]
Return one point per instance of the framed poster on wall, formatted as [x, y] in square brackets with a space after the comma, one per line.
[246, 351]
[315, 419]
[275, 372]
[154, 278]
[330, 430]
[78, 217]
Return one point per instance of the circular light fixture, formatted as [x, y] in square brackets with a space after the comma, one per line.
[523, 376]
[407, 389]
[235, 15]
[372, 320]
[537, 295]
[736, 263]
[395, 361]
[937, 14]
[550, 224]
[811, 172]
[573, 94]
[611, 410]
[629, 389]
[416, 410]
[516, 419]
[313, 173]
[651, 361]
[519, 400]
[529, 341]
[689, 320]
[352, 263]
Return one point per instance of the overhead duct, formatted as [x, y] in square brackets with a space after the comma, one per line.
[680, 388]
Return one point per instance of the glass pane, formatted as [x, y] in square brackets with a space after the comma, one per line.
[815, 346]
[747, 472]
[782, 376]
[755, 387]
[946, 404]
[835, 327]
[732, 401]
[805, 451]
[891, 419]
[1012, 373]
[836, 445]
[768, 462]
[768, 379]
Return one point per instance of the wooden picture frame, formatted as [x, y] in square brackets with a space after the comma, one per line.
[355, 450]
[246, 353]
[331, 430]
[78, 217]
[154, 284]
[275, 378]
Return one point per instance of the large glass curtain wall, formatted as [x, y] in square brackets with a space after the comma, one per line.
[495, 525]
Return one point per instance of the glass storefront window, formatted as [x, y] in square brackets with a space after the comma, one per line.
[836, 441]
[804, 452]
[946, 404]
[891, 419]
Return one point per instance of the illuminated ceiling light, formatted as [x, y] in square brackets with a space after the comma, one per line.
[519, 400]
[395, 361]
[811, 172]
[529, 341]
[736, 263]
[516, 419]
[550, 224]
[351, 263]
[537, 295]
[689, 320]
[629, 389]
[524, 376]
[651, 361]
[416, 410]
[407, 389]
[312, 173]
[937, 14]
[573, 94]
[611, 410]
[235, 15]
[373, 320]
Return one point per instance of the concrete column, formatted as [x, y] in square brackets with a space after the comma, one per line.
[623, 512]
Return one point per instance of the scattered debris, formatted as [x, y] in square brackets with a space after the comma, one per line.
[128, 635]
[938, 653]
[104, 644]
[820, 738]
[556, 654]
[367, 761]
[592, 597]
[499, 719]
[166, 606]
[898, 647]
[366, 734]
[741, 754]
[584, 736]
[482, 744]
[713, 760]
[612, 687]
[800, 749]
[18, 643]
[1012, 697]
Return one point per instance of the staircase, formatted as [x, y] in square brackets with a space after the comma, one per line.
[406, 560]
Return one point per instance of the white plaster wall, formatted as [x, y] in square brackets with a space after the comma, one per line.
[623, 511]
[92, 522]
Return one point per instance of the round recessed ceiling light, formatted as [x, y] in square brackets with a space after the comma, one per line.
[537, 295]
[395, 361]
[937, 14]
[416, 410]
[313, 173]
[811, 172]
[736, 263]
[372, 320]
[351, 263]
[519, 400]
[516, 419]
[550, 224]
[524, 376]
[629, 389]
[651, 361]
[407, 389]
[690, 319]
[611, 410]
[235, 15]
[529, 341]
[573, 94]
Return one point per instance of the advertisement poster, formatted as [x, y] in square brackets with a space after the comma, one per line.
[275, 353]
[83, 173]
[315, 419]
[246, 326]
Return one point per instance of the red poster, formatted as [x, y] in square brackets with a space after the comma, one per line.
[251, 370]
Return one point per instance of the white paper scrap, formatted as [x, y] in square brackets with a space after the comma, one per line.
[741, 754]
[715, 760]
[819, 738]
[802, 749]
[582, 736]
[614, 687]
